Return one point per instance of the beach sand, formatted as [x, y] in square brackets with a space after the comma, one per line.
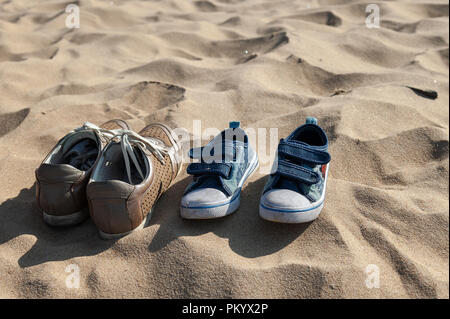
[268, 64]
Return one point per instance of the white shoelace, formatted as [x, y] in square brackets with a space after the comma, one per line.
[127, 140]
[148, 145]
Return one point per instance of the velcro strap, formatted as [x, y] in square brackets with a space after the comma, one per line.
[226, 151]
[297, 172]
[303, 152]
[220, 169]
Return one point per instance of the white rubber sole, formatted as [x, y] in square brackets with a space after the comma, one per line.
[65, 220]
[223, 209]
[290, 217]
[108, 236]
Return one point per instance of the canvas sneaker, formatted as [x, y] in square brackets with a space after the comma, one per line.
[224, 165]
[62, 177]
[134, 170]
[295, 191]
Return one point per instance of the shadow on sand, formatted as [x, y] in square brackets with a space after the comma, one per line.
[20, 215]
[249, 235]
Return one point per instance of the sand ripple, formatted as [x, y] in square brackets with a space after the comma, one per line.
[381, 94]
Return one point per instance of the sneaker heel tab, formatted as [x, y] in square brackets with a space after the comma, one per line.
[311, 120]
[235, 124]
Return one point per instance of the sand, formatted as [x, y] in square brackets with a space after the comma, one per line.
[268, 64]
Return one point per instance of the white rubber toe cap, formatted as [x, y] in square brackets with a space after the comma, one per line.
[204, 197]
[286, 206]
[285, 199]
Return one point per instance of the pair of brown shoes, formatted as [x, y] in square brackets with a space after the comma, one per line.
[109, 172]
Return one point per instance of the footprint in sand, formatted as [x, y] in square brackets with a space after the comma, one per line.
[150, 95]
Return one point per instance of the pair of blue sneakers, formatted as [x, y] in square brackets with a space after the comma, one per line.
[294, 193]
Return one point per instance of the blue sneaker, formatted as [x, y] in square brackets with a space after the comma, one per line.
[295, 191]
[224, 165]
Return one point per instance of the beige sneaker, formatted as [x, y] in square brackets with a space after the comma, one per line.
[132, 173]
[62, 177]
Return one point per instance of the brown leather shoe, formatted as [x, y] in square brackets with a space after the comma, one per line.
[62, 177]
[132, 173]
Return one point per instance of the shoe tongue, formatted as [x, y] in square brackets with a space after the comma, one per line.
[235, 124]
[228, 150]
[222, 150]
[225, 145]
[311, 120]
[229, 138]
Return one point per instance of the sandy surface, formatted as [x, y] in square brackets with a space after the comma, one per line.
[267, 64]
